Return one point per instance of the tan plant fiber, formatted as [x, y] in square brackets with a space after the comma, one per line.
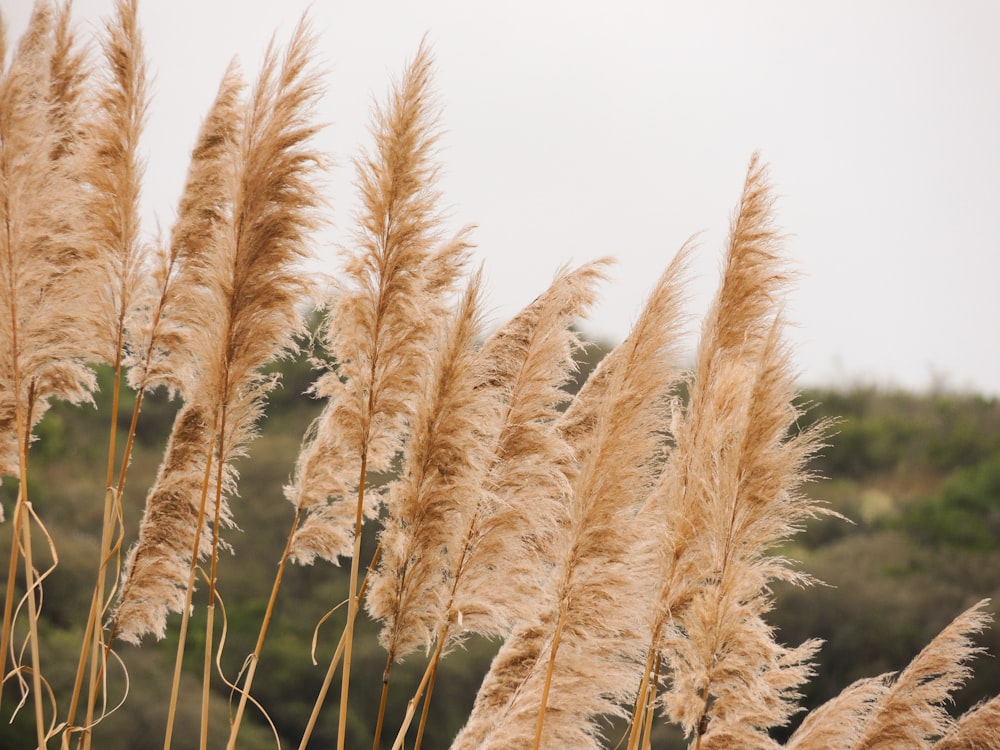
[977, 729]
[728, 496]
[249, 289]
[440, 483]
[595, 567]
[911, 713]
[379, 330]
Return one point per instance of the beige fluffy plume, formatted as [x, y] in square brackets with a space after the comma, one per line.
[596, 565]
[441, 478]
[977, 729]
[248, 287]
[910, 715]
[46, 282]
[727, 497]
[380, 331]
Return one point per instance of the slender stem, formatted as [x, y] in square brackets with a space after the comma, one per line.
[327, 680]
[206, 675]
[259, 647]
[640, 701]
[210, 621]
[105, 643]
[427, 702]
[92, 635]
[93, 621]
[352, 606]
[186, 613]
[411, 707]
[8, 604]
[334, 661]
[11, 291]
[641, 698]
[382, 701]
[648, 728]
[548, 674]
[30, 584]
[23, 439]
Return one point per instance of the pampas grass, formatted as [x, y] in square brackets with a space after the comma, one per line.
[621, 543]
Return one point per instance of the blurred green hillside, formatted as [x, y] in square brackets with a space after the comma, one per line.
[918, 475]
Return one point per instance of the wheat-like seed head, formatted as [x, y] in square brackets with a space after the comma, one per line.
[380, 329]
[911, 713]
[249, 292]
[977, 729]
[442, 473]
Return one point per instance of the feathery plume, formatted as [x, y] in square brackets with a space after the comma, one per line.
[523, 508]
[491, 580]
[42, 353]
[173, 340]
[838, 723]
[379, 331]
[115, 175]
[169, 328]
[596, 568]
[976, 729]
[728, 496]
[911, 714]
[442, 474]
[249, 301]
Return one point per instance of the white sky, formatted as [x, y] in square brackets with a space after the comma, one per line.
[576, 129]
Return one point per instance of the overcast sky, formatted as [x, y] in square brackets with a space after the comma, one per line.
[575, 130]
